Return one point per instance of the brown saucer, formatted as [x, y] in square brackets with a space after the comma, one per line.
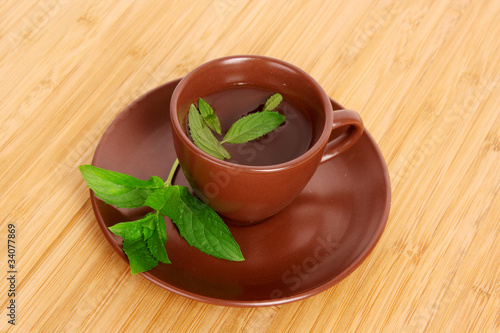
[310, 246]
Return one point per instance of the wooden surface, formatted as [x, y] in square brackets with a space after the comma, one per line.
[424, 76]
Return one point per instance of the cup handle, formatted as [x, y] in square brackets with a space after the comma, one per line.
[338, 144]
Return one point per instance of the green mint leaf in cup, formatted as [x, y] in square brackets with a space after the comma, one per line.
[118, 189]
[253, 126]
[209, 116]
[143, 242]
[203, 137]
[272, 102]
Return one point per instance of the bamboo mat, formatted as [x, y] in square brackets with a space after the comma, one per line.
[424, 76]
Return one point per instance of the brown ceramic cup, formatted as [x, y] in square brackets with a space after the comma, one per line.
[246, 194]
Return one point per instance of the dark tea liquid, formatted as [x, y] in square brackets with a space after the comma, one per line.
[288, 141]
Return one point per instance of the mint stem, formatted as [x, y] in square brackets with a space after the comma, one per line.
[172, 172]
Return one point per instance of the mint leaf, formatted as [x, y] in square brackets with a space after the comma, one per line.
[253, 126]
[203, 137]
[143, 242]
[203, 228]
[198, 224]
[131, 230]
[156, 242]
[272, 102]
[166, 201]
[117, 188]
[209, 115]
[139, 256]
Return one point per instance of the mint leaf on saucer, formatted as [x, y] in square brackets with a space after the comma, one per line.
[253, 126]
[166, 201]
[158, 239]
[203, 228]
[203, 137]
[272, 102]
[132, 229]
[139, 256]
[198, 224]
[209, 116]
[118, 189]
[143, 242]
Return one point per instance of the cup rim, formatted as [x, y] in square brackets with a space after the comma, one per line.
[299, 160]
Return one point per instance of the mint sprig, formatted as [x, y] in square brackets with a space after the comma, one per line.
[144, 240]
[245, 129]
